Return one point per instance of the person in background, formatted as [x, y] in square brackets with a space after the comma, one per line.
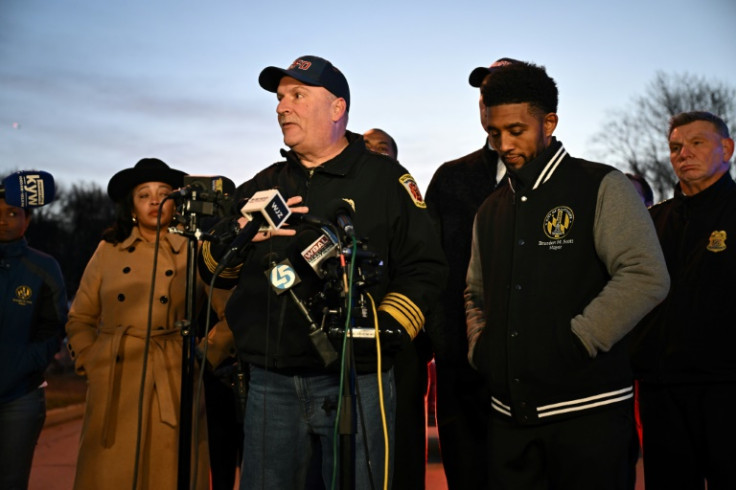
[410, 374]
[107, 331]
[564, 263]
[454, 194]
[380, 141]
[682, 352]
[643, 188]
[293, 396]
[33, 311]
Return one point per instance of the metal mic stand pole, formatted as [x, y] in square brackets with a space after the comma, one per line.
[348, 422]
[187, 361]
[348, 413]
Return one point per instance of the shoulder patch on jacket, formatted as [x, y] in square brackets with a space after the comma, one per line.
[413, 189]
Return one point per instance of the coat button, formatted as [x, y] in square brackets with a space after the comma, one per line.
[514, 334]
[126, 270]
[121, 297]
[164, 300]
[169, 272]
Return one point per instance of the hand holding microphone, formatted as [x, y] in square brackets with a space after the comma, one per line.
[271, 231]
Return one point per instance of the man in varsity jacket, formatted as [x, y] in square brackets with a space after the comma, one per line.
[564, 263]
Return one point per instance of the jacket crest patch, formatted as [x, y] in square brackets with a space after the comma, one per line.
[717, 241]
[23, 295]
[413, 189]
[558, 222]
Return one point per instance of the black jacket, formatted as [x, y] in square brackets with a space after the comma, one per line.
[690, 337]
[33, 311]
[390, 216]
[565, 263]
[455, 193]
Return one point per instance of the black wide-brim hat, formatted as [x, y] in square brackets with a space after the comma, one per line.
[146, 170]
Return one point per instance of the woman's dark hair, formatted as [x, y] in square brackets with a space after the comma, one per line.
[123, 225]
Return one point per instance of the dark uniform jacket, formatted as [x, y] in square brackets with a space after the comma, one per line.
[690, 337]
[33, 309]
[565, 262]
[391, 217]
[455, 193]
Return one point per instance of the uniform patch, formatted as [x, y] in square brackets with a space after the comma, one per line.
[558, 222]
[413, 189]
[23, 295]
[717, 241]
[350, 202]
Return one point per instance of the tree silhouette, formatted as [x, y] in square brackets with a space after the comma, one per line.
[636, 138]
[71, 227]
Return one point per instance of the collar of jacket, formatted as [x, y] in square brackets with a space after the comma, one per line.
[14, 249]
[492, 161]
[538, 171]
[341, 164]
[175, 242]
[716, 191]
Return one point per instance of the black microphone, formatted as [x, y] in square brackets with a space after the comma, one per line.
[283, 277]
[266, 210]
[204, 188]
[28, 189]
[343, 213]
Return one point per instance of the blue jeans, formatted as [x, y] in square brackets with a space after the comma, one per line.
[21, 421]
[288, 418]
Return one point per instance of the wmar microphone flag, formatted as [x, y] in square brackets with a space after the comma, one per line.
[28, 189]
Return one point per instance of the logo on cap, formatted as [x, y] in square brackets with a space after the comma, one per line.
[301, 65]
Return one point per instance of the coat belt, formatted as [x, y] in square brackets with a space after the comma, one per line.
[157, 365]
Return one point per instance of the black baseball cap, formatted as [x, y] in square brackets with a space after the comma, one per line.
[477, 75]
[311, 70]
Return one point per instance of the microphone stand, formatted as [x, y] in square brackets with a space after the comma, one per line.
[348, 418]
[187, 358]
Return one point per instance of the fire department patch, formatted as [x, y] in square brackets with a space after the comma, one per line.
[558, 222]
[717, 241]
[413, 189]
[23, 295]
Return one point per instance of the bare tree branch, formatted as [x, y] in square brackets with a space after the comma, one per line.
[635, 139]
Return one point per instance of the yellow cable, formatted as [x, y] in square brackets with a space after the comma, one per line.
[380, 395]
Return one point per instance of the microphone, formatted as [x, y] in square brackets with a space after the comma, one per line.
[282, 277]
[267, 210]
[343, 213]
[317, 251]
[28, 189]
[270, 206]
[209, 188]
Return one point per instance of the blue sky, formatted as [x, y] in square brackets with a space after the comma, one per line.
[88, 87]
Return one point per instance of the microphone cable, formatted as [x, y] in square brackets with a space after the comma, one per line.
[146, 347]
[348, 281]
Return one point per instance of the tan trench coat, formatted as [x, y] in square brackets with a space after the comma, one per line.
[106, 337]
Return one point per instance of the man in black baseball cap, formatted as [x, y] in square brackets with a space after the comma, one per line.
[294, 390]
[453, 196]
[311, 70]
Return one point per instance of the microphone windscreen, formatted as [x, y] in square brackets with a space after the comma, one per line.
[29, 188]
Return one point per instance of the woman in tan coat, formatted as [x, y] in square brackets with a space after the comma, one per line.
[106, 337]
